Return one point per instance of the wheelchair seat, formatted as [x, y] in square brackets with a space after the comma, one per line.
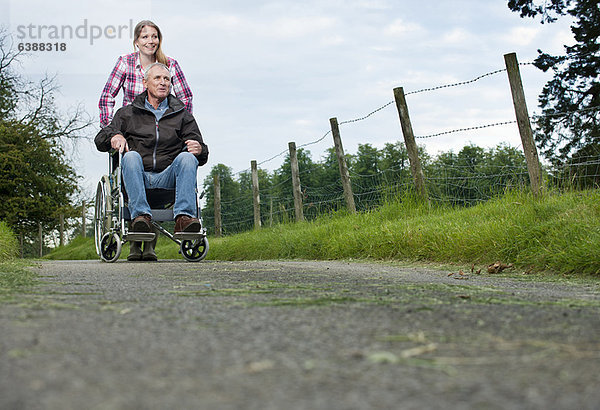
[161, 204]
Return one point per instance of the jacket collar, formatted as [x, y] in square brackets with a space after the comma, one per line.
[175, 103]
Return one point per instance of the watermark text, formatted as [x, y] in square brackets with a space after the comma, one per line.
[85, 31]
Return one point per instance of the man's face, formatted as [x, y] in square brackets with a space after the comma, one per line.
[158, 83]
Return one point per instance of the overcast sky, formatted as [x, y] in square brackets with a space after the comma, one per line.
[264, 73]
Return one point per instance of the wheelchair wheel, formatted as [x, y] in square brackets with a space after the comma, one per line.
[110, 247]
[102, 217]
[194, 250]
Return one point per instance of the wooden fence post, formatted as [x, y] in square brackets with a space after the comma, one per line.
[83, 227]
[518, 95]
[255, 194]
[61, 230]
[217, 189]
[41, 238]
[296, 182]
[344, 173]
[411, 146]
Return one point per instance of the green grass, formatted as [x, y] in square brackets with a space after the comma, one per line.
[79, 248]
[556, 232]
[9, 246]
[14, 274]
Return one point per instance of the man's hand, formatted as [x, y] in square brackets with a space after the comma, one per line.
[119, 143]
[194, 147]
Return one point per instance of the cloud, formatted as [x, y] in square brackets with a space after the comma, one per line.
[290, 27]
[270, 71]
[374, 4]
[457, 36]
[522, 36]
[400, 28]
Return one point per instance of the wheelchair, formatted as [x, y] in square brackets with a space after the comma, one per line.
[112, 217]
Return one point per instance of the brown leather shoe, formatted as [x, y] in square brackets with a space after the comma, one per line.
[142, 223]
[184, 223]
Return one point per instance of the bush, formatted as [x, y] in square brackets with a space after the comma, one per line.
[9, 246]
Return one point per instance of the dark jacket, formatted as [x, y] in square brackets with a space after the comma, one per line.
[138, 125]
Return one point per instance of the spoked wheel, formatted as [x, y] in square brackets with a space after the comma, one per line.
[194, 250]
[110, 247]
[102, 217]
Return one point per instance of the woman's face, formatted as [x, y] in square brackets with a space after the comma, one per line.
[148, 41]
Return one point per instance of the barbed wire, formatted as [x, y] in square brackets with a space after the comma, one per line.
[368, 115]
[439, 87]
[461, 83]
[477, 127]
[496, 124]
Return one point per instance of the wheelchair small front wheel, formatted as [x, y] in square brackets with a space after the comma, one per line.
[194, 250]
[110, 247]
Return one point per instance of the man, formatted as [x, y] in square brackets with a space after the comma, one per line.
[162, 148]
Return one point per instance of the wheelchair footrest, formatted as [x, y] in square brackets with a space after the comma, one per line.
[189, 236]
[140, 236]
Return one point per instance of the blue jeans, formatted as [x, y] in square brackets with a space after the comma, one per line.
[181, 175]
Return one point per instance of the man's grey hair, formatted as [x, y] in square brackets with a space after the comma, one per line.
[146, 73]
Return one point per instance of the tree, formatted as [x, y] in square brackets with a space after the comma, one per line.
[230, 203]
[570, 102]
[36, 181]
[366, 161]
[475, 174]
[395, 167]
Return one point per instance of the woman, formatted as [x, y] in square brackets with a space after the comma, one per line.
[129, 72]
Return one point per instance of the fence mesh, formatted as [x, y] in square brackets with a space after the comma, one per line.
[472, 176]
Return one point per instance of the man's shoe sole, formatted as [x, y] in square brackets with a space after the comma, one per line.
[141, 226]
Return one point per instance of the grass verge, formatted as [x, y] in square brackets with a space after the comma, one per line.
[13, 274]
[8, 243]
[554, 232]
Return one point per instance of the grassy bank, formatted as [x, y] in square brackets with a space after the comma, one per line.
[9, 246]
[557, 232]
[13, 273]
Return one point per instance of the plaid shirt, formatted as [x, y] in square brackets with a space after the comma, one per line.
[128, 75]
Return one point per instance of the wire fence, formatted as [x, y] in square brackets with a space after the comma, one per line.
[472, 176]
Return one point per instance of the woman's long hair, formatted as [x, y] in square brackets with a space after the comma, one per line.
[137, 31]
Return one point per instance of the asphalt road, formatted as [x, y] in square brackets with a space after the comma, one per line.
[297, 335]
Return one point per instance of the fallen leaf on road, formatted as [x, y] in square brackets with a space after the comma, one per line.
[383, 357]
[498, 267]
[257, 367]
[417, 351]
